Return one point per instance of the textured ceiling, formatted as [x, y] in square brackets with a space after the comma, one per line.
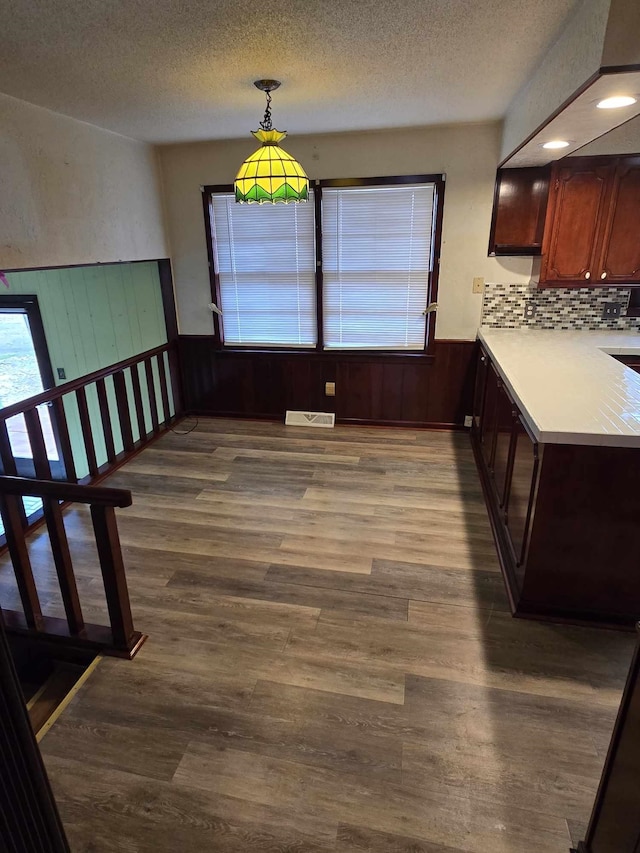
[177, 70]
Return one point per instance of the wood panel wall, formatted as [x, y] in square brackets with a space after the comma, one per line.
[95, 316]
[378, 389]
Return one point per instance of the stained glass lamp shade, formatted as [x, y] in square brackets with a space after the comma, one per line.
[271, 174]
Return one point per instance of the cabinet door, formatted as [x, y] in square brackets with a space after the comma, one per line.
[489, 416]
[524, 475]
[505, 415]
[480, 390]
[519, 210]
[579, 196]
[620, 255]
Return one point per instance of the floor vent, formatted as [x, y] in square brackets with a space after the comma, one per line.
[314, 419]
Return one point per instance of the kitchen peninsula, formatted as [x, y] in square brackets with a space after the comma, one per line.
[556, 433]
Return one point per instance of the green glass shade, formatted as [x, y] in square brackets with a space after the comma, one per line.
[271, 174]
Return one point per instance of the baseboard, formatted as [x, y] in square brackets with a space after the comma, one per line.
[257, 416]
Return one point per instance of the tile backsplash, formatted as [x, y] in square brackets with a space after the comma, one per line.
[503, 306]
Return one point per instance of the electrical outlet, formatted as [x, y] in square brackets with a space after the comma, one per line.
[330, 389]
[611, 310]
[478, 285]
[530, 310]
[468, 420]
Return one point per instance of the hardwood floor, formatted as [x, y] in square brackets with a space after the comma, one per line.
[331, 663]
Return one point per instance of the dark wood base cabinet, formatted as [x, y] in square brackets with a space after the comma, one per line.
[565, 518]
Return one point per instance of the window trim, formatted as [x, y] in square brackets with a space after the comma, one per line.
[28, 304]
[214, 278]
[438, 180]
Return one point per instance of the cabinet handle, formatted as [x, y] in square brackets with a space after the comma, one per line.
[587, 275]
[604, 275]
[483, 359]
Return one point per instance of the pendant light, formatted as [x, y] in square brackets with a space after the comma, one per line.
[270, 174]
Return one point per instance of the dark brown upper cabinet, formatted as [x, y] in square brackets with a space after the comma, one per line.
[519, 209]
[582, 216]
[619, 261]
[578, 201]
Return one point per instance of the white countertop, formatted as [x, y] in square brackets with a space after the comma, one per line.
[567, 386]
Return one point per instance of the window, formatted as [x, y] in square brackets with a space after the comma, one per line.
[376, 263]
[366, 286]
[25, 370]
[265, 261]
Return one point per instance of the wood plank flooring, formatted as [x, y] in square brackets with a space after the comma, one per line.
[331, 664]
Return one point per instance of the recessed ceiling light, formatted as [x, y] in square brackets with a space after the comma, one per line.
[557, 143]
[616, 102]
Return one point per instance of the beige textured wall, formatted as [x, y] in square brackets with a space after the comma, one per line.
[622, 40]
[569, 62]
[468, 154]
[598, 33]
[71, 193]
[624, 139]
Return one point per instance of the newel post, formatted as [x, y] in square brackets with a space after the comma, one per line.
[125, 639]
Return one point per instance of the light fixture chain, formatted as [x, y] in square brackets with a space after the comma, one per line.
[266, 123]
[270, 174]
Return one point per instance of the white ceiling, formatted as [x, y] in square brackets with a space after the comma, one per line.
[178, 70]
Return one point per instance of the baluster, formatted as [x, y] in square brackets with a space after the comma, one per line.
[30, 819]
[137, 396]
[174, 377]
[105, 417]
[12, 520]
[87, 433]
[164, 393]
[9, 465]
[113, 574]
[151, 391]
[63, 564]
[38, 447]
[6, 452]
[124, 416]
[60, 417]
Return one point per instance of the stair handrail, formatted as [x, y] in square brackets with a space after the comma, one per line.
[76, 384]
[120, 637]
[63, 491]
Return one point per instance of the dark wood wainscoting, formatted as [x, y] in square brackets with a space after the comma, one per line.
[381, 389]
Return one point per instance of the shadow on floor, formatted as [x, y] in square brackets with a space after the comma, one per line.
[556, 705]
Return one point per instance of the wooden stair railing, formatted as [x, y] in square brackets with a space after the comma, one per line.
[29, 818]
[132, 403]
[119, 638]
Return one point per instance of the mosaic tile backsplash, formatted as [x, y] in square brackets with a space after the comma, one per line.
[503, 306]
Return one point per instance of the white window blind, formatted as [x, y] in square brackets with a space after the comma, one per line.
[265, 259]
[376, 262]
